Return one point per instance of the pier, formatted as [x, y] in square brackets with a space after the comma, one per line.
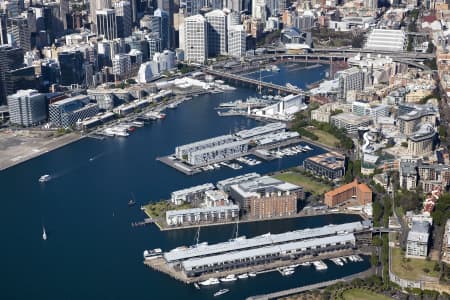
[160, 265]
[142, 223]
[191, 170]
[310, 287]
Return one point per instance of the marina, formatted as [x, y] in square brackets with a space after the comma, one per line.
[100, 198]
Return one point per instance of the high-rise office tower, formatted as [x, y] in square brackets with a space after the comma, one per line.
[3, 29]
[193, 6]
[217, 32]
[195, 39]
[71, 66]
[27, 107]
[233, 5]
[19, 33]
[95, 5]
[236, 41]
[106, 23]
[11, 58]
[259, 10]
[124, 18]
[164, 27]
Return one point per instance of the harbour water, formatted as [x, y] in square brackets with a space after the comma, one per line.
[92, 252]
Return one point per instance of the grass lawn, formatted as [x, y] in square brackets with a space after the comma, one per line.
[158, 209]
[411, 268]
[325, 138]
[362, 294]
[309, 184]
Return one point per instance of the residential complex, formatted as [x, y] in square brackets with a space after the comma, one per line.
[417, 242]
[27, 108]
[330, 165]
[354, 190]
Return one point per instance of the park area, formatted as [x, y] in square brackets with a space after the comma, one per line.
[363, 294]
[325, 138]
[412, 268]
[309, 184]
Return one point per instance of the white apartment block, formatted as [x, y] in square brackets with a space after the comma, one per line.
[195, 39]
[217, 32]
[350, 80]
[417, 242]
[237, 41]
[27, 107]
[121, 64]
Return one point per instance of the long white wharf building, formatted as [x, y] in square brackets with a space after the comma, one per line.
[242, 252]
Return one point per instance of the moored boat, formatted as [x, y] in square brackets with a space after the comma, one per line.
[152, 254]
[210, 281]
[229, 278]
[243, 276]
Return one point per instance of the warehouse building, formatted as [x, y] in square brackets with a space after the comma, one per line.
[193, 216]
[191, 195]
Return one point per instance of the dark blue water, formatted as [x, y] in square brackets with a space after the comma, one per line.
[92, 252]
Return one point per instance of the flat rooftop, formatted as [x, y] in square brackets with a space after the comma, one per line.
[331, 160]
[352, 119]
[248, 133]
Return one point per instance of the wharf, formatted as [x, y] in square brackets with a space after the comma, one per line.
[142, 223]
[178, 165]
[191, 170]
[159, 264]
[311, 287]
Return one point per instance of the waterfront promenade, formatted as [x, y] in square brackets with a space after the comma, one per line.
[310, 287]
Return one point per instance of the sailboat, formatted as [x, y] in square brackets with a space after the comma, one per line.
[44, 234]
[132, 202]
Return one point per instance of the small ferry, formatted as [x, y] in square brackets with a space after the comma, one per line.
[44, 234]
[221, 292]
[45, 178]
[210, 281]
[152, 254]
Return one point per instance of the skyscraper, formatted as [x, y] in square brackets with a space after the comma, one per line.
[236, 41]
[164, 27]
[3, 29]
[217, 32]
[195, 39]
[95, 5]
[106, 23]
[259, 10]
[124, 18]
[20, 33]
[71, 65]
[10, 59]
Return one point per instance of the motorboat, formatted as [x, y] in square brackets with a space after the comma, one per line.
[196, 285]
[44, 234]
[45, 178]
[252, 274]
[229, 278]
[221, 292]
[243, 276]
[152, 254]
[210, 281]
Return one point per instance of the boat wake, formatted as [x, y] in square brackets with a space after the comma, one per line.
[91, 159]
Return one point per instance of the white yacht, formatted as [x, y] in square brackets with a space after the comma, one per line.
[45, 178]
[210, 281]
[152, 254]
[252, 274]
[229, 278]
[243, 276]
